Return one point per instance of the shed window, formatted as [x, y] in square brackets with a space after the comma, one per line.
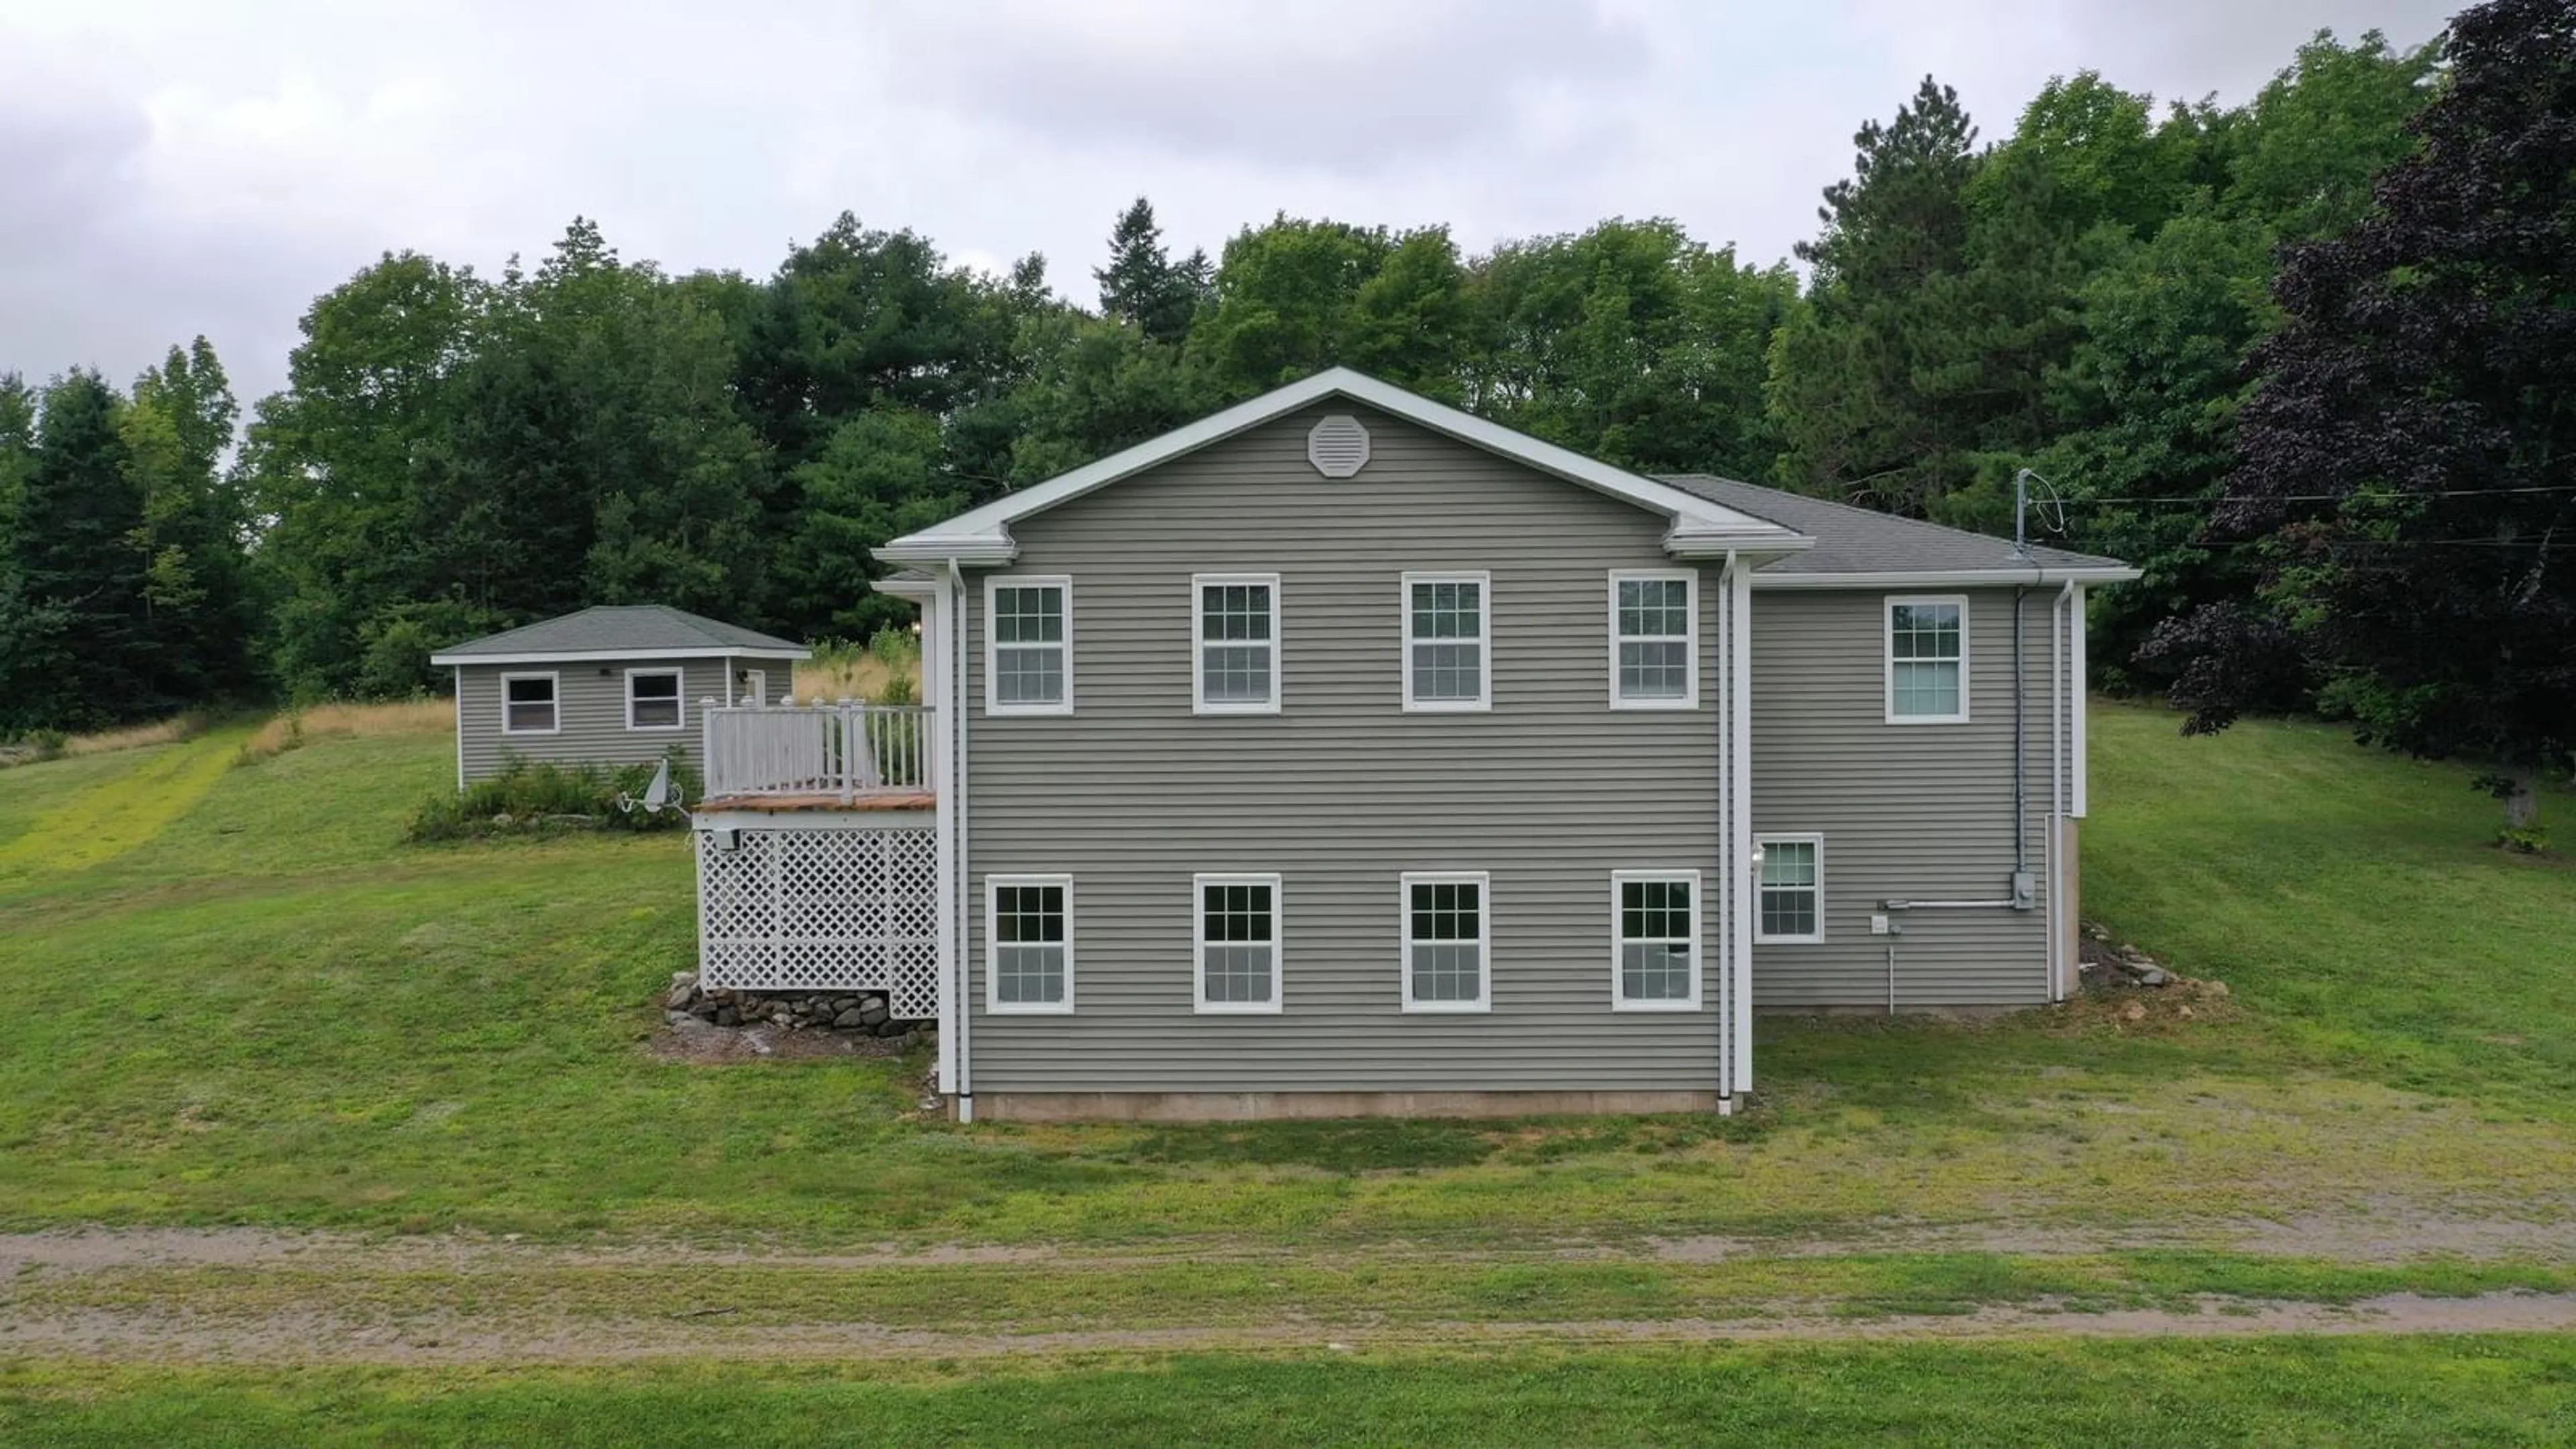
[653, 699]
[1238, 942]
[1030, 654]
[1654, 636]
[1446, 662]
[1927, 661]
[1656, 920]
[1028, 944]
[1793, 889]
[528, 704]
[1444, 943]
[1237, 666]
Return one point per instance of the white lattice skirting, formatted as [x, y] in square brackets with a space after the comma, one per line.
[823, 910]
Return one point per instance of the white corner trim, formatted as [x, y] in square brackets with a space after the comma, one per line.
[994, 583]
[993, 1004]
[1689, 580]
[1619, 998]
[554, 682]
[2083, 705]
[1887, 608]
[1484, 640]
[1199, 642]
[1199, 944]
[1816, 937]
[982, 535]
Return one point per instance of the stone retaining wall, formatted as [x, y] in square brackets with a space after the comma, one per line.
[859, 1013]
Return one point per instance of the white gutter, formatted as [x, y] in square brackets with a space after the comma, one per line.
[610, 656]
[2003, 577]
[1740, 746]
[957, 772]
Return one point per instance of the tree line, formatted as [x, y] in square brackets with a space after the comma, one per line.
[2105, 296]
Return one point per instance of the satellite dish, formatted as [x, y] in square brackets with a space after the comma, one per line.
[657, 796]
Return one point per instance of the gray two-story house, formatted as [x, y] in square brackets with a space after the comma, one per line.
[1345, 753]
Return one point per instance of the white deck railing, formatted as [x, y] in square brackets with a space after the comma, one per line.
[846, 749]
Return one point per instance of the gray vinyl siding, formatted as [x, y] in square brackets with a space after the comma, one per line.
[591, 703]
[1914, 811]
[1342, 792]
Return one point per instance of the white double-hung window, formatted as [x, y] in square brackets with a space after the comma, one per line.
[653, 699]
[1238, 943]
[1028, 943]
[1792, 907]
[1927, 660]
[1654, 640]
[1445, 965]
[1655, 932]
[528, 704]
[1447, 626]
[1028, 645]
[1234, 667]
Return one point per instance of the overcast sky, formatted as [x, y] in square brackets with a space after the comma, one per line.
[170, 167]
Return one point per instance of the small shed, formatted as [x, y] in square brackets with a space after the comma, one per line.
[611, 685]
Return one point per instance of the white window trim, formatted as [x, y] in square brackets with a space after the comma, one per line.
[1199, 944]
[554, 680]
[1484, 640]
[1689, 579]
[1814, 938]
[993, 584]
[1199, 702]
[1619, 998]
[1484, 884]
[1887, 649]
[993, 1004]
[681, 696]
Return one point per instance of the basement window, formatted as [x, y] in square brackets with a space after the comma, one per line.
[1793, 889]
[1444, 942]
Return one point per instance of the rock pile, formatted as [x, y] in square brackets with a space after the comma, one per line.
[2110, 963]
[861, 1013]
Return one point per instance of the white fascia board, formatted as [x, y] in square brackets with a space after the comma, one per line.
[611, 656]
[920, 591]
[1755, 543]
[937, 547]
[1948, 578]
[988, 527]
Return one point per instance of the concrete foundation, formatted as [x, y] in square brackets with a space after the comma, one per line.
[1273, 1106]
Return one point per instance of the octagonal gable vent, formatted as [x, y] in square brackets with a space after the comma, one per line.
[1338, 446]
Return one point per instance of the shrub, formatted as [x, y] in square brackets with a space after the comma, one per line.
[537, 798]
[2524, 839]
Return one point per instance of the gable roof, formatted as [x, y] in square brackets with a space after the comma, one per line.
[621, 631]
[1700, 526]
[1862, 546]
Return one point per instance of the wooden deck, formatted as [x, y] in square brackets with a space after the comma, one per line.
[792, 804]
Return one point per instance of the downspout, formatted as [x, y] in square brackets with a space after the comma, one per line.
[1739, 619]
[2021, 768]
[1729, 890]
[965, 885]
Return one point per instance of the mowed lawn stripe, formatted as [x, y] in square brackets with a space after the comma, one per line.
[123, 810]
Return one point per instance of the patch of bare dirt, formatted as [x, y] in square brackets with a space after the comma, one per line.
[163, 1336]
[695, 1041]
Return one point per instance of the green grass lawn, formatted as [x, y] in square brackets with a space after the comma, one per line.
[2396, 1392]
[266, 1010]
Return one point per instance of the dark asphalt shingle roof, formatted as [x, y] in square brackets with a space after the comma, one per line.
[623, 629]
[1852, 540]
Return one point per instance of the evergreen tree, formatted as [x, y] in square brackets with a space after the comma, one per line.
[1143, 286]
[80, 651]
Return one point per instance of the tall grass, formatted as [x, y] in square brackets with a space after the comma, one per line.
[56, 745]
[886, 671]
[298, 727]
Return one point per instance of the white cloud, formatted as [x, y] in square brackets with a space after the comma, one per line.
[178, 167]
